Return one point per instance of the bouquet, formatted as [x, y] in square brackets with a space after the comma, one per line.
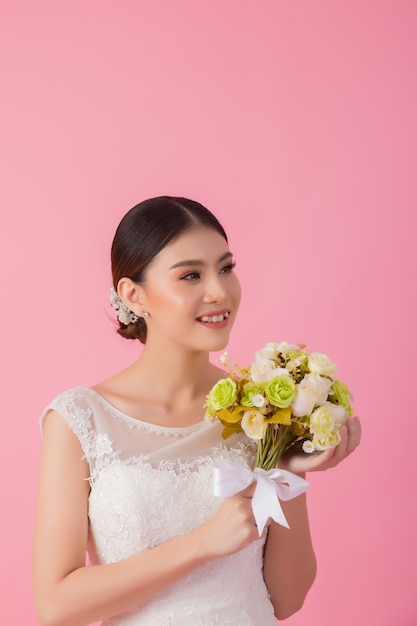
[285, 400]
[286, 396]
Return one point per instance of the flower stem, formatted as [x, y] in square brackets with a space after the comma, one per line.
[274, 444]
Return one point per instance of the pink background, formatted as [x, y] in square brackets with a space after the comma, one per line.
[294, 121]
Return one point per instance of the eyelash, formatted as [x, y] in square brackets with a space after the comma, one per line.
[195, 275]
[229, 267]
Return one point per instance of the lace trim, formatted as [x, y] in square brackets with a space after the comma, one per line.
[243, 452]
[96, 447]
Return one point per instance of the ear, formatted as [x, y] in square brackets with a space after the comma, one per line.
[131, 294]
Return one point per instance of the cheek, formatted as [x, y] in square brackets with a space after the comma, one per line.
[170, 298]
[237, 292]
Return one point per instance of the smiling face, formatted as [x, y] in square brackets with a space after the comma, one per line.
[191, 292]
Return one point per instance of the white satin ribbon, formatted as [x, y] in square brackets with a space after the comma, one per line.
[229, 478]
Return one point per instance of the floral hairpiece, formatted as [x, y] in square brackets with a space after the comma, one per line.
[124, 314]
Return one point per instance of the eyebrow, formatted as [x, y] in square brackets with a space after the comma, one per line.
[196, 262]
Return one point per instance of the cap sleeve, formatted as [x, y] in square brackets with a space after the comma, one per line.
[74, 407]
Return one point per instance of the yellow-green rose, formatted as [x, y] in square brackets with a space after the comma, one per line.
[222, 395]
[340, 394]
[249, 392]
[281, 391]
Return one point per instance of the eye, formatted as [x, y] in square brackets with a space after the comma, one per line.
[190, 276]
[228, 268]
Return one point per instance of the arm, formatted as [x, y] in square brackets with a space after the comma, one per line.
[67, 592]
[289, 561]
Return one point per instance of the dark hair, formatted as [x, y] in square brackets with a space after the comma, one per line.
[143, 232]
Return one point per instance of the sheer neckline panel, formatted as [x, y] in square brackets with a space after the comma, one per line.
[133, 420]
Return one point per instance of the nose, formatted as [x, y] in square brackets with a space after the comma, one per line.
[214, 290]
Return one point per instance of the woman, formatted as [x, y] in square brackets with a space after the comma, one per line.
[126, 466]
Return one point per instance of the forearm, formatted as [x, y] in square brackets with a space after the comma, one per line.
[289, 561]
[89, 594]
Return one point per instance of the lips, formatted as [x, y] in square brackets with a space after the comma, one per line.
[214, 317]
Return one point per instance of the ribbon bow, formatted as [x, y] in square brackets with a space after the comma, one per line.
[229, 478]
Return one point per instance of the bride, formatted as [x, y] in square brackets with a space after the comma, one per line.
[126, 466]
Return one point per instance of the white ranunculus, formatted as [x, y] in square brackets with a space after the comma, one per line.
[321, 364]
[304, 401]
[253, 424]
[321, 386]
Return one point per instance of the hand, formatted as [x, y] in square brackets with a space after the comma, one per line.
[233, 527]
[300, 462]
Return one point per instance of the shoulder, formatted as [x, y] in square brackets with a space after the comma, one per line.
[73, 398]
[74, 405]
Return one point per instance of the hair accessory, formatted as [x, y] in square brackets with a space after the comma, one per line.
[124, 315]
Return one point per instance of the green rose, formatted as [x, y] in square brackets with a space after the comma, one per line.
[281, 391]
[248, 392]
[222, 395]
[340, 394]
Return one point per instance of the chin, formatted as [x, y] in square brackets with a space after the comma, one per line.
[211, 340]
[217, 344]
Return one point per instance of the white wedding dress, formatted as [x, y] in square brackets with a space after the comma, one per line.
[150, 484]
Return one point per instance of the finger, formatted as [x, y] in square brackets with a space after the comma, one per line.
[323, 458]
[341, 449]
[354, 433]
[350, 435]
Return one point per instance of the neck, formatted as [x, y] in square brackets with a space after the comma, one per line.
[173, 372]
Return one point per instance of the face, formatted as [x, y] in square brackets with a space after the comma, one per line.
[191, 291]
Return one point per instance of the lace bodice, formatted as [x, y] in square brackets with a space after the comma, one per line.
[150, 484]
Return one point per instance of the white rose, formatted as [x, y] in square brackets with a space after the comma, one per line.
[263, 370]
[304, 401]
[260, 368]
[285, 347]
[322, 421]
[321, 364]
[269, 351]
[322, 443]
[321, 386]
[253, 424]
[326, 418]
[277, 371]
[339, 412]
